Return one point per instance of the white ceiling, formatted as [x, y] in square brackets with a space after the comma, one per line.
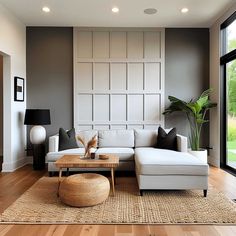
[202, 13]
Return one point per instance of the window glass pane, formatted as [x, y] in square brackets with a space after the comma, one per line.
[231, 113]
[231, 37]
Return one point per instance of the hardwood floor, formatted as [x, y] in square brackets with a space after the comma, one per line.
[13, 185]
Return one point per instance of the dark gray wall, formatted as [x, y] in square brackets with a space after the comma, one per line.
[187, 71]
[50, 73]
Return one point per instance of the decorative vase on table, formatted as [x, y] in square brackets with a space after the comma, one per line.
[195, 111]
[88, 147]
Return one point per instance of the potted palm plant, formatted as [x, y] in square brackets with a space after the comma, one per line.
[195, 111]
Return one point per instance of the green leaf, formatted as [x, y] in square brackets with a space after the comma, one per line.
[201, 121]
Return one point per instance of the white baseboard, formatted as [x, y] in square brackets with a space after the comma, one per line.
[10, 167]
[213, 161]
[29, 159]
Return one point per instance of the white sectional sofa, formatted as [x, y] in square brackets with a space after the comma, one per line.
[155, 168]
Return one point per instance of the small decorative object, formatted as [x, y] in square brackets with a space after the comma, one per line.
[92, 155]
[103, 156]
[91, 144]
[19, 89]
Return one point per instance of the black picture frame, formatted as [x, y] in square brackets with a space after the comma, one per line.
[19, 89]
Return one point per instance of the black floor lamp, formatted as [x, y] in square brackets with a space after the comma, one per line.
[37, 118]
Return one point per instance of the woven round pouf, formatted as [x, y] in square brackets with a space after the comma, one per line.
[83, 190]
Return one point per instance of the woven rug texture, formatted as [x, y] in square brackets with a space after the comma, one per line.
[40, 204]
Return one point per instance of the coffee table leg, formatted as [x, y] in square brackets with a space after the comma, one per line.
[59, 181]
[112, 181]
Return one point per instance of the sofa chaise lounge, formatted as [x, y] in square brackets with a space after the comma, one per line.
[155, 168]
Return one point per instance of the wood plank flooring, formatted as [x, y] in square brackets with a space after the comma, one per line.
[13, 185]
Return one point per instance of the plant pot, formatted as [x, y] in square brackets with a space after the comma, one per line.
[201, 154]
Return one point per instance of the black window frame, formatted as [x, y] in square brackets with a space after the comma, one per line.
[224, 59]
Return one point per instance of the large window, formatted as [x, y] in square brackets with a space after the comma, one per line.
[228, 63]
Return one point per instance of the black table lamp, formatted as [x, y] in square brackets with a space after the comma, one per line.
[37, 117]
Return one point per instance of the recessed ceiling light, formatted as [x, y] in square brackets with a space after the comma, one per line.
[150, 11]
[46, 9]
[115, 9]
[184, 10]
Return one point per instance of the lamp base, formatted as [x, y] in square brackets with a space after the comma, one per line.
[37, 134]
[38, 156]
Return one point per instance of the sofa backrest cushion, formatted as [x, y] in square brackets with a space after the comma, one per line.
[145, 138]
[86, 135]
[116, 138]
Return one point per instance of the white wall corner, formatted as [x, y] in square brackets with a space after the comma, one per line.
[12, 166]
[213, 161]
[29, 159]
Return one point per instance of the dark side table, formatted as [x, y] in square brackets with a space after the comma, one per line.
[39, 156]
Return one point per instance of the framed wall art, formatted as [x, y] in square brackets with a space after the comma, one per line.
[19, 89]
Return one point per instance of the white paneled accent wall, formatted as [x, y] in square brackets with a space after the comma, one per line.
[118, 78]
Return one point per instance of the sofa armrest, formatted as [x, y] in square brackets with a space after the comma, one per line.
[182, 143]
[53, 143]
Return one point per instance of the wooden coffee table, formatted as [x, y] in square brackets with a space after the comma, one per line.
[75, 161]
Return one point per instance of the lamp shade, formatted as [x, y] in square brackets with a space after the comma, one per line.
[37, 117]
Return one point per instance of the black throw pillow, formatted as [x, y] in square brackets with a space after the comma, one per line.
[167, 140]
[67, 139]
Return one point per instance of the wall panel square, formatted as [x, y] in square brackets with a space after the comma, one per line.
[101, 76]
[100, 44]
[135, 107]
[101, 127]
[101, 107]
[118, 44]
[135, 126]
[118, 76]
[152, 76]
[85, 107]
[121, 127]
[84, 76]
[135, 45]
[135, 76]
[152, 107]
[118, 107]
[152, 44]
[84, 127]
[151, 127]
[84, 44]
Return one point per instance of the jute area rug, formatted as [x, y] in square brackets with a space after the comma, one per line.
[40, 204]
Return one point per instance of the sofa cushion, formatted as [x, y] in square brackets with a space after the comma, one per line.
[145, 138]
[167, 140]
[86, 135]
[153, 161]
[116, 138]
[53, 156]
[67, 139]
[124, 154]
